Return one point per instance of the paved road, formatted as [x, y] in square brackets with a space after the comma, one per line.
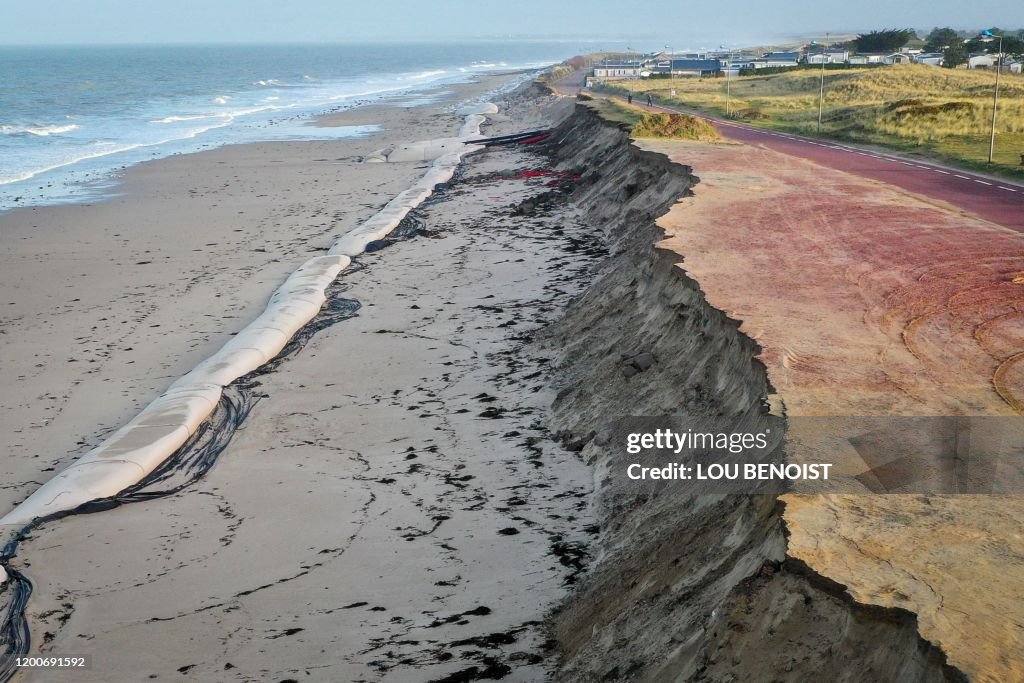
[996, 200]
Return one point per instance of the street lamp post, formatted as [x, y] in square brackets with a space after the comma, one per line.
[995, 103]
[821, 87]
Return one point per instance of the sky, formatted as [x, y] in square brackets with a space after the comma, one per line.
[734, 22]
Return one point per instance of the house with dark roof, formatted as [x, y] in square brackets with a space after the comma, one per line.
[778, 59]
[696, 67]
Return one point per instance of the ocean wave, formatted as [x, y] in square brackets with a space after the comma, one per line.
[193, 117]
[39, 131]
[32, 173]
[222, 99]
[106, 148]
[425, 74]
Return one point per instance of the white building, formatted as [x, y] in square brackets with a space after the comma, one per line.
[868, 58]
[898, 58]
[981, 60]
[828, 57]
[618, 69]
[930, 58]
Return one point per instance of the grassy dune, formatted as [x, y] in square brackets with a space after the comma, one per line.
[937, 112]
[644, 124]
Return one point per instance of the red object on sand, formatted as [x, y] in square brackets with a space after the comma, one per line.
[530, 141]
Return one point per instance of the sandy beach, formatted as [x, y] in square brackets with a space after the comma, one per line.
[393, 498]
[118, 298]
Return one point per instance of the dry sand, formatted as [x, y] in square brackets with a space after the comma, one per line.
[392, 509]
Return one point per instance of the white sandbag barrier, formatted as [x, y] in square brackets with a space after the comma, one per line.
[142, 445]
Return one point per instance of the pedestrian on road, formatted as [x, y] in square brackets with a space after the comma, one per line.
[650, 100]
[629, 98]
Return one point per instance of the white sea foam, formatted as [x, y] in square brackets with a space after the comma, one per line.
[108, 148]
[32, 173]
[193, 117]
[426, 74]
[40, 131]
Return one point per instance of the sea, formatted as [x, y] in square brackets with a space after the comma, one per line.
[71, 118]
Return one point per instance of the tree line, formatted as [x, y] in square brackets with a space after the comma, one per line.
[954, 45]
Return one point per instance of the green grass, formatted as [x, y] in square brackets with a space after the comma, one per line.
[938, 113]
[610, 110]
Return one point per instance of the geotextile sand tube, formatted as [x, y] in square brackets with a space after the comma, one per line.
[156, 433]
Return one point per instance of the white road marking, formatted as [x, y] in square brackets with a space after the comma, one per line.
[873, 156]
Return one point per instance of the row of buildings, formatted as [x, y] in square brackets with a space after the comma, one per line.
[727, 63]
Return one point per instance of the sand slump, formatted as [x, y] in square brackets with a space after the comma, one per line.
[178, 436]
[688, 586]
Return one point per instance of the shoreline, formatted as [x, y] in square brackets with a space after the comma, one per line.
[378, 428]
[137, 237]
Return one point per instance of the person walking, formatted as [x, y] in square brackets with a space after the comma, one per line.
[650, 100]
[629, 98]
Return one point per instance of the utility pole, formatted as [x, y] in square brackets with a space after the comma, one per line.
[728, 91]
[821, 88]
[995, 103]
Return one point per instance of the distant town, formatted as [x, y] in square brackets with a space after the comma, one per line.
[942, 47]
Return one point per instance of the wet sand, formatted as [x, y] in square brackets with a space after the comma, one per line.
[392, 509]
[106, 304]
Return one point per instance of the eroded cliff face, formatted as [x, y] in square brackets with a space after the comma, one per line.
[685, 587]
